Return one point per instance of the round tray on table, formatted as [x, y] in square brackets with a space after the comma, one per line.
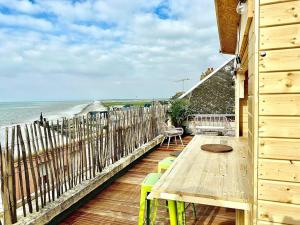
[217, 148]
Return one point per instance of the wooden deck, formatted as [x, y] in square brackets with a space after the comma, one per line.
[119, 203]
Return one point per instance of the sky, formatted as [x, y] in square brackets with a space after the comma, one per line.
[104, 49]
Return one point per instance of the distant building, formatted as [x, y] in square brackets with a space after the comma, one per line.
[214, 94]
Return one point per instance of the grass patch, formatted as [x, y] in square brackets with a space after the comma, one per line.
[122, 103]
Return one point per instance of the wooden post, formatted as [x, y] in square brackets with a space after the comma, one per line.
[93, 145]
[72, 161]
[37, 160]
[81, 150]
[63, 154]
[26, 173]
[69, 156]
[84, 146]
[4, 187]
[54, 151]
[97, 143]
[50, 162]
[45, 177]
[20, 176]
[58, 155]
[11, 178]
[32, 168]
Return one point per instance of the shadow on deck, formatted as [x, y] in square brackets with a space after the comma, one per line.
[119, 202]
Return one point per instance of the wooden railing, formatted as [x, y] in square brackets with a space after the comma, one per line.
[41, 161]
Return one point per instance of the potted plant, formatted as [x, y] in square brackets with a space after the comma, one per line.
[178, 112]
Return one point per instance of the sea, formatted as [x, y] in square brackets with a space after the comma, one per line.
[22, 112]
[12, 113]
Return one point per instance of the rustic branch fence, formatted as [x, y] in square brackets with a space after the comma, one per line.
[41, 161]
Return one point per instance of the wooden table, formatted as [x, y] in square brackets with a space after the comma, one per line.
[217, 179]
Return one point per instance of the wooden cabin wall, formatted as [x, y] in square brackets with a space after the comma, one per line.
[247, 101]
[248, 52]
[278, 184]
[242, 77]
[252, 109]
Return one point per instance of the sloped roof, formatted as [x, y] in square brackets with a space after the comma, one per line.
[205, 79]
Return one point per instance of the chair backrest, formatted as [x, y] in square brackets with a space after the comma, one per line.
[163, 127]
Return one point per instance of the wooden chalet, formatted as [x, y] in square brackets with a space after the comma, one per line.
[265, 35]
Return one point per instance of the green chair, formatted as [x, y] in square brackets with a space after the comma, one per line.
[146, 187]
[176, 209]
[165, 164]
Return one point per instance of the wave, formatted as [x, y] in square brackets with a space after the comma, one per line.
[91, 107]
[25, 107]
[69, 112]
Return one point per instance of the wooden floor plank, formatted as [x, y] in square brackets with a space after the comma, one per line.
[119, 203]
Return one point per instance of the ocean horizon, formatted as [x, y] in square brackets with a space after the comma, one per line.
[25, 112]
[19, 112]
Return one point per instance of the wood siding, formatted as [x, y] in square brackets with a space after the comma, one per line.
[279, 82]
[247, 105]
[281, 13]
[252, 106]
[278, 175]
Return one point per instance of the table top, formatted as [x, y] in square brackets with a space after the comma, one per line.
[218, 179]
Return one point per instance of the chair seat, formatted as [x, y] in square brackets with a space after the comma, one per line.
[150, 180]
[146, 187]
[165, 163]
[174, 132]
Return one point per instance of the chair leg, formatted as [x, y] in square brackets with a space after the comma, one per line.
[162, 141]
[194, 211]
[148, 211]
[175, 140]
[169, 142]
[142, 207]
[181, 140]
[181, 213]
[154, 212]
[172, 212]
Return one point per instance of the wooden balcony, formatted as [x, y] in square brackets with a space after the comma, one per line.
[119, 202]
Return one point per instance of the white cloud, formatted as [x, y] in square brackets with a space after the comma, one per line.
[24, 6]
[105, 49]
[25, 22]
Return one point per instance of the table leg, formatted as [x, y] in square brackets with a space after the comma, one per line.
[181, 213]
[239, 215]
[242, 217]
[148, 211]
[172, 212]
